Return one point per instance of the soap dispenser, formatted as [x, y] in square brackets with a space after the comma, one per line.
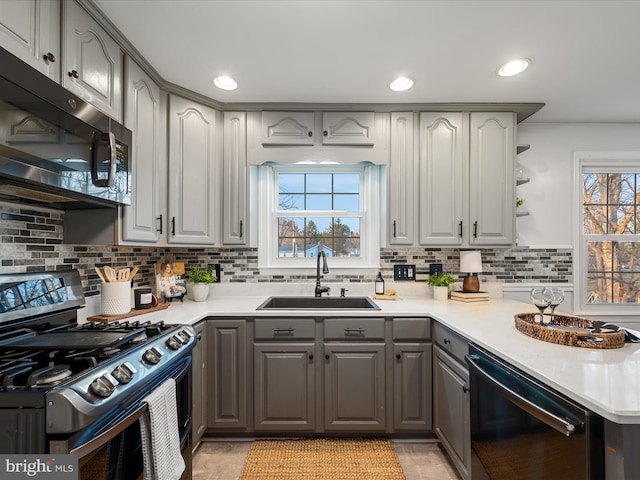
[379, 284]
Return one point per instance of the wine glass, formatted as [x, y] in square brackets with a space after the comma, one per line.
[541, 298]
[557, 297]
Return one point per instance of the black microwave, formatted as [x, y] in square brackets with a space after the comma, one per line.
[55, 148]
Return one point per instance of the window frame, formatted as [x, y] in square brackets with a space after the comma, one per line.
[371, 199]
[597, 162]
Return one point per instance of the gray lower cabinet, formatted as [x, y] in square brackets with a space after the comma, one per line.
[412, 390]
[354, 387]
[199, 386]
[228, 377]
[451, 397]
[284, 387]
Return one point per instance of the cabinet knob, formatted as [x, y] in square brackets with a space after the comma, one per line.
[398, 356]
[311, 356]
[325, 133]
[310, 134]
[49, 57]
[199, 336]
[74, 74]
[465, 389]
[447, 341]
[327, 357]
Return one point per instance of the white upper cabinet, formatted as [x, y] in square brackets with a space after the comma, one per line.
[234, 185]
[347, 128]
[402, 181]
[287, 128]
[195, 147]
[467, 186]
[143, 220]
[92, 63]
[442, 165]
[30, 30]
[491, 178]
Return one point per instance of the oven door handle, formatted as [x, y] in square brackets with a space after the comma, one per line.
[560, 424]
[98, 441]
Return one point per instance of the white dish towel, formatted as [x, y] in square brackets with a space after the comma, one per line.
[160, 437]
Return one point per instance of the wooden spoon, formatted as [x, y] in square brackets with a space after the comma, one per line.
[123, 274]
[133, 273]
[102, 278]
[110, 274]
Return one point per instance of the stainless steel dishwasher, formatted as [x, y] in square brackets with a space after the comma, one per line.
[522, 429]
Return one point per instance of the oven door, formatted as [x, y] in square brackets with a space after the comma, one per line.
[112, 449]
[521, 429]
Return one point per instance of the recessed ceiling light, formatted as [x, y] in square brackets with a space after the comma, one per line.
[513, 67]
[401, 84]
[225, 83]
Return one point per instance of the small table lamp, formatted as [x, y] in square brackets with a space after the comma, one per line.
[471, 264]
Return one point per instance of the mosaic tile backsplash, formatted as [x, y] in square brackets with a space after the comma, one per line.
[32, 241]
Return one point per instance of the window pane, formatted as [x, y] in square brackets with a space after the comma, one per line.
[291, 247]
[621, 187]
[319, 202]
[613, 272]
[598, 288]
[287, 201]
[319, 182]
[600, 256]
[625, 288]
[595, 220]
[318, 225]
[348, 202]
[621, 220]
[346, 182]
[594, 185]
[290, 227]
[291, 182]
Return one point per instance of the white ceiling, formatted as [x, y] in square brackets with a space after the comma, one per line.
[585, 54]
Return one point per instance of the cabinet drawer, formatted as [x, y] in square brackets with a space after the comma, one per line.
[354, 328]
[412, 329]
[284, 328]
[453, 343]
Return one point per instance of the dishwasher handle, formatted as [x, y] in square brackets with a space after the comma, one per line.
[560, 424]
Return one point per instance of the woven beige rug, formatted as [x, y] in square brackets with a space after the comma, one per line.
[322, 458]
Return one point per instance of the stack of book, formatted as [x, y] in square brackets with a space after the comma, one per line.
[459, 296]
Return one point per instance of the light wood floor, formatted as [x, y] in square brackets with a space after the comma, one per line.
[218, 460]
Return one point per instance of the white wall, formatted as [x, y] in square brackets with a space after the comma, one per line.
[549, 165]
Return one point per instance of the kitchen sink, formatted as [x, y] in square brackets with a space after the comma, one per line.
[318, 303]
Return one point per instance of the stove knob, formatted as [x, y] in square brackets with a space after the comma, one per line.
[173, 342]
[185, 336]
[151, 356]
[103, 386]
[124, 373]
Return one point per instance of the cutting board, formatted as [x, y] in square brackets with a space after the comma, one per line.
[132, 313]
[384, 297]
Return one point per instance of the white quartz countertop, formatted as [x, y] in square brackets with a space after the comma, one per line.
[605, 381]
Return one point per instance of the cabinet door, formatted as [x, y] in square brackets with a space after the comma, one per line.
[199, 397]
[451, 410]
[287, 128]
[193, 157]
[92, 64]
[402, 180]
[227, 376]
[30, 30]
[442, 168]
[347, 128]
[354, 387]
[234, 185]
[284, 387]
[412, 386]
[492, 182]
[143, 220]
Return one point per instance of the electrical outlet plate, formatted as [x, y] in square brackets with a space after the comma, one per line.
[435, 268]
[404, 272]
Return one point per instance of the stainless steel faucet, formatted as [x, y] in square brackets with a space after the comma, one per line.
[325, 269]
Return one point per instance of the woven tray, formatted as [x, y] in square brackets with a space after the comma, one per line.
[525, 322]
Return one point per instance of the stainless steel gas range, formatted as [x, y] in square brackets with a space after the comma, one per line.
[79, 388]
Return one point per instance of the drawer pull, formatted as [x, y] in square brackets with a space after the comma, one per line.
[354, 331]
[447, 341]
[283, 331]
[398, 356]
[311, 356]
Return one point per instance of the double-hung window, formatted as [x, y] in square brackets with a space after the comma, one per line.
[307, 207]
[608, 263]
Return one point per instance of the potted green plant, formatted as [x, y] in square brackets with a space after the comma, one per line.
[440, 282]
[198, 281]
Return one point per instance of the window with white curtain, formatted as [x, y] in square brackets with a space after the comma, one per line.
[303, 205]
[608, 263]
